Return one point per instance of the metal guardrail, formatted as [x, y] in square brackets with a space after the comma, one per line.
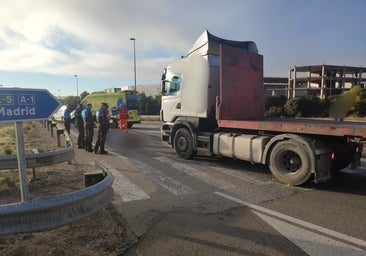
[50, 212]
[42, 158]
[46, 213]
[39, 159]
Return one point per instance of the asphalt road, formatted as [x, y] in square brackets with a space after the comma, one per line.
[219, 206]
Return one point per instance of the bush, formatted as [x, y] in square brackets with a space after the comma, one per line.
[292, 107]
[275, 101]
[274, 105]
[8, 149]
[307, 106]
[358, 101]
[348, 103]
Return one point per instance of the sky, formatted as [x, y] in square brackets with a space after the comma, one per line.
[45, 43]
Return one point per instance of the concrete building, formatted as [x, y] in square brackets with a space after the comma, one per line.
[275, 86]
[324, 80]
[320, 80]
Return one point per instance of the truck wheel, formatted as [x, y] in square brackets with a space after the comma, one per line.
[289, 162]
[183, 143]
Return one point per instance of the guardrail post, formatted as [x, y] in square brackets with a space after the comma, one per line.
[34, 151]
[52, 126]
[68, 142]
[59, 132]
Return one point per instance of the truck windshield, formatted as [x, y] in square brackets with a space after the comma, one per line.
[172, 84]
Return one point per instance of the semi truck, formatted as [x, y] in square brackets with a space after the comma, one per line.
[213, 102]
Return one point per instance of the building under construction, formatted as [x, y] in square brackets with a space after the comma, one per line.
[324, 80]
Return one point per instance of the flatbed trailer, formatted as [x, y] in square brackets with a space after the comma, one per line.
[213, 101]
[351, 129]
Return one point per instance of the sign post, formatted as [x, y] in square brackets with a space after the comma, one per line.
[22, 165]
[17, 105]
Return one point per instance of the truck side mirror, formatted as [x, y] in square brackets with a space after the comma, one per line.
[163, 90]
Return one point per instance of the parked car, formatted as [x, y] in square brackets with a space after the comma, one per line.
[58, 116]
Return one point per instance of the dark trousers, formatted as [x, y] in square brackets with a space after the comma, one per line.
[89, 133]
[67, 124]
[81, 137]
[102, 135]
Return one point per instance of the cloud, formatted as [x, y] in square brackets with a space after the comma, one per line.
[92, 37]
[61, 40]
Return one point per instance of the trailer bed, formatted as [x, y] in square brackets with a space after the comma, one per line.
[300, 126]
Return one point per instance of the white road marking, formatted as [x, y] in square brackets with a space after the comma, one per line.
[160, 178]
[310, 242]
[238, 175]
[330, 233]
[221, 184]
[123, 187]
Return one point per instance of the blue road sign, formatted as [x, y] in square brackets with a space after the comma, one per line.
[18, 104]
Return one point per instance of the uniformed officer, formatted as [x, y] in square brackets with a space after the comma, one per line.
[80, 125]
[102, 116]
[88, 127]
[67, 119]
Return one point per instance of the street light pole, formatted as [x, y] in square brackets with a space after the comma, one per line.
[134, 58]
[77, 85]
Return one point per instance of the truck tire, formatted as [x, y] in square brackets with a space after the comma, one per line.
[183, 143]
[289, 162]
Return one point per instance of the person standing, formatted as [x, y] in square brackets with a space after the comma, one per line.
[80, 125]
[123, 117]
[67, 119]
[102, 116]
[88, 127]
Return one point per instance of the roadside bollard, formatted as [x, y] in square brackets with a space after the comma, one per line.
[59, 132]
[48, 124]
[34, 151]
[52, 126]
[68, 142]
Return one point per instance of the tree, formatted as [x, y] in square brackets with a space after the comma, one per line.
[358, 102]
[83, 95]
[71, 100]
[148, 105]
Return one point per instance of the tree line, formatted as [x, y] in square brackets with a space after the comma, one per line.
[148, 105]
[348, 103]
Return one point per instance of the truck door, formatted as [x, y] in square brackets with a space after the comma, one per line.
[171, 91]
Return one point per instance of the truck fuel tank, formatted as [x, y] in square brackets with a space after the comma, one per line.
[240, 146]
